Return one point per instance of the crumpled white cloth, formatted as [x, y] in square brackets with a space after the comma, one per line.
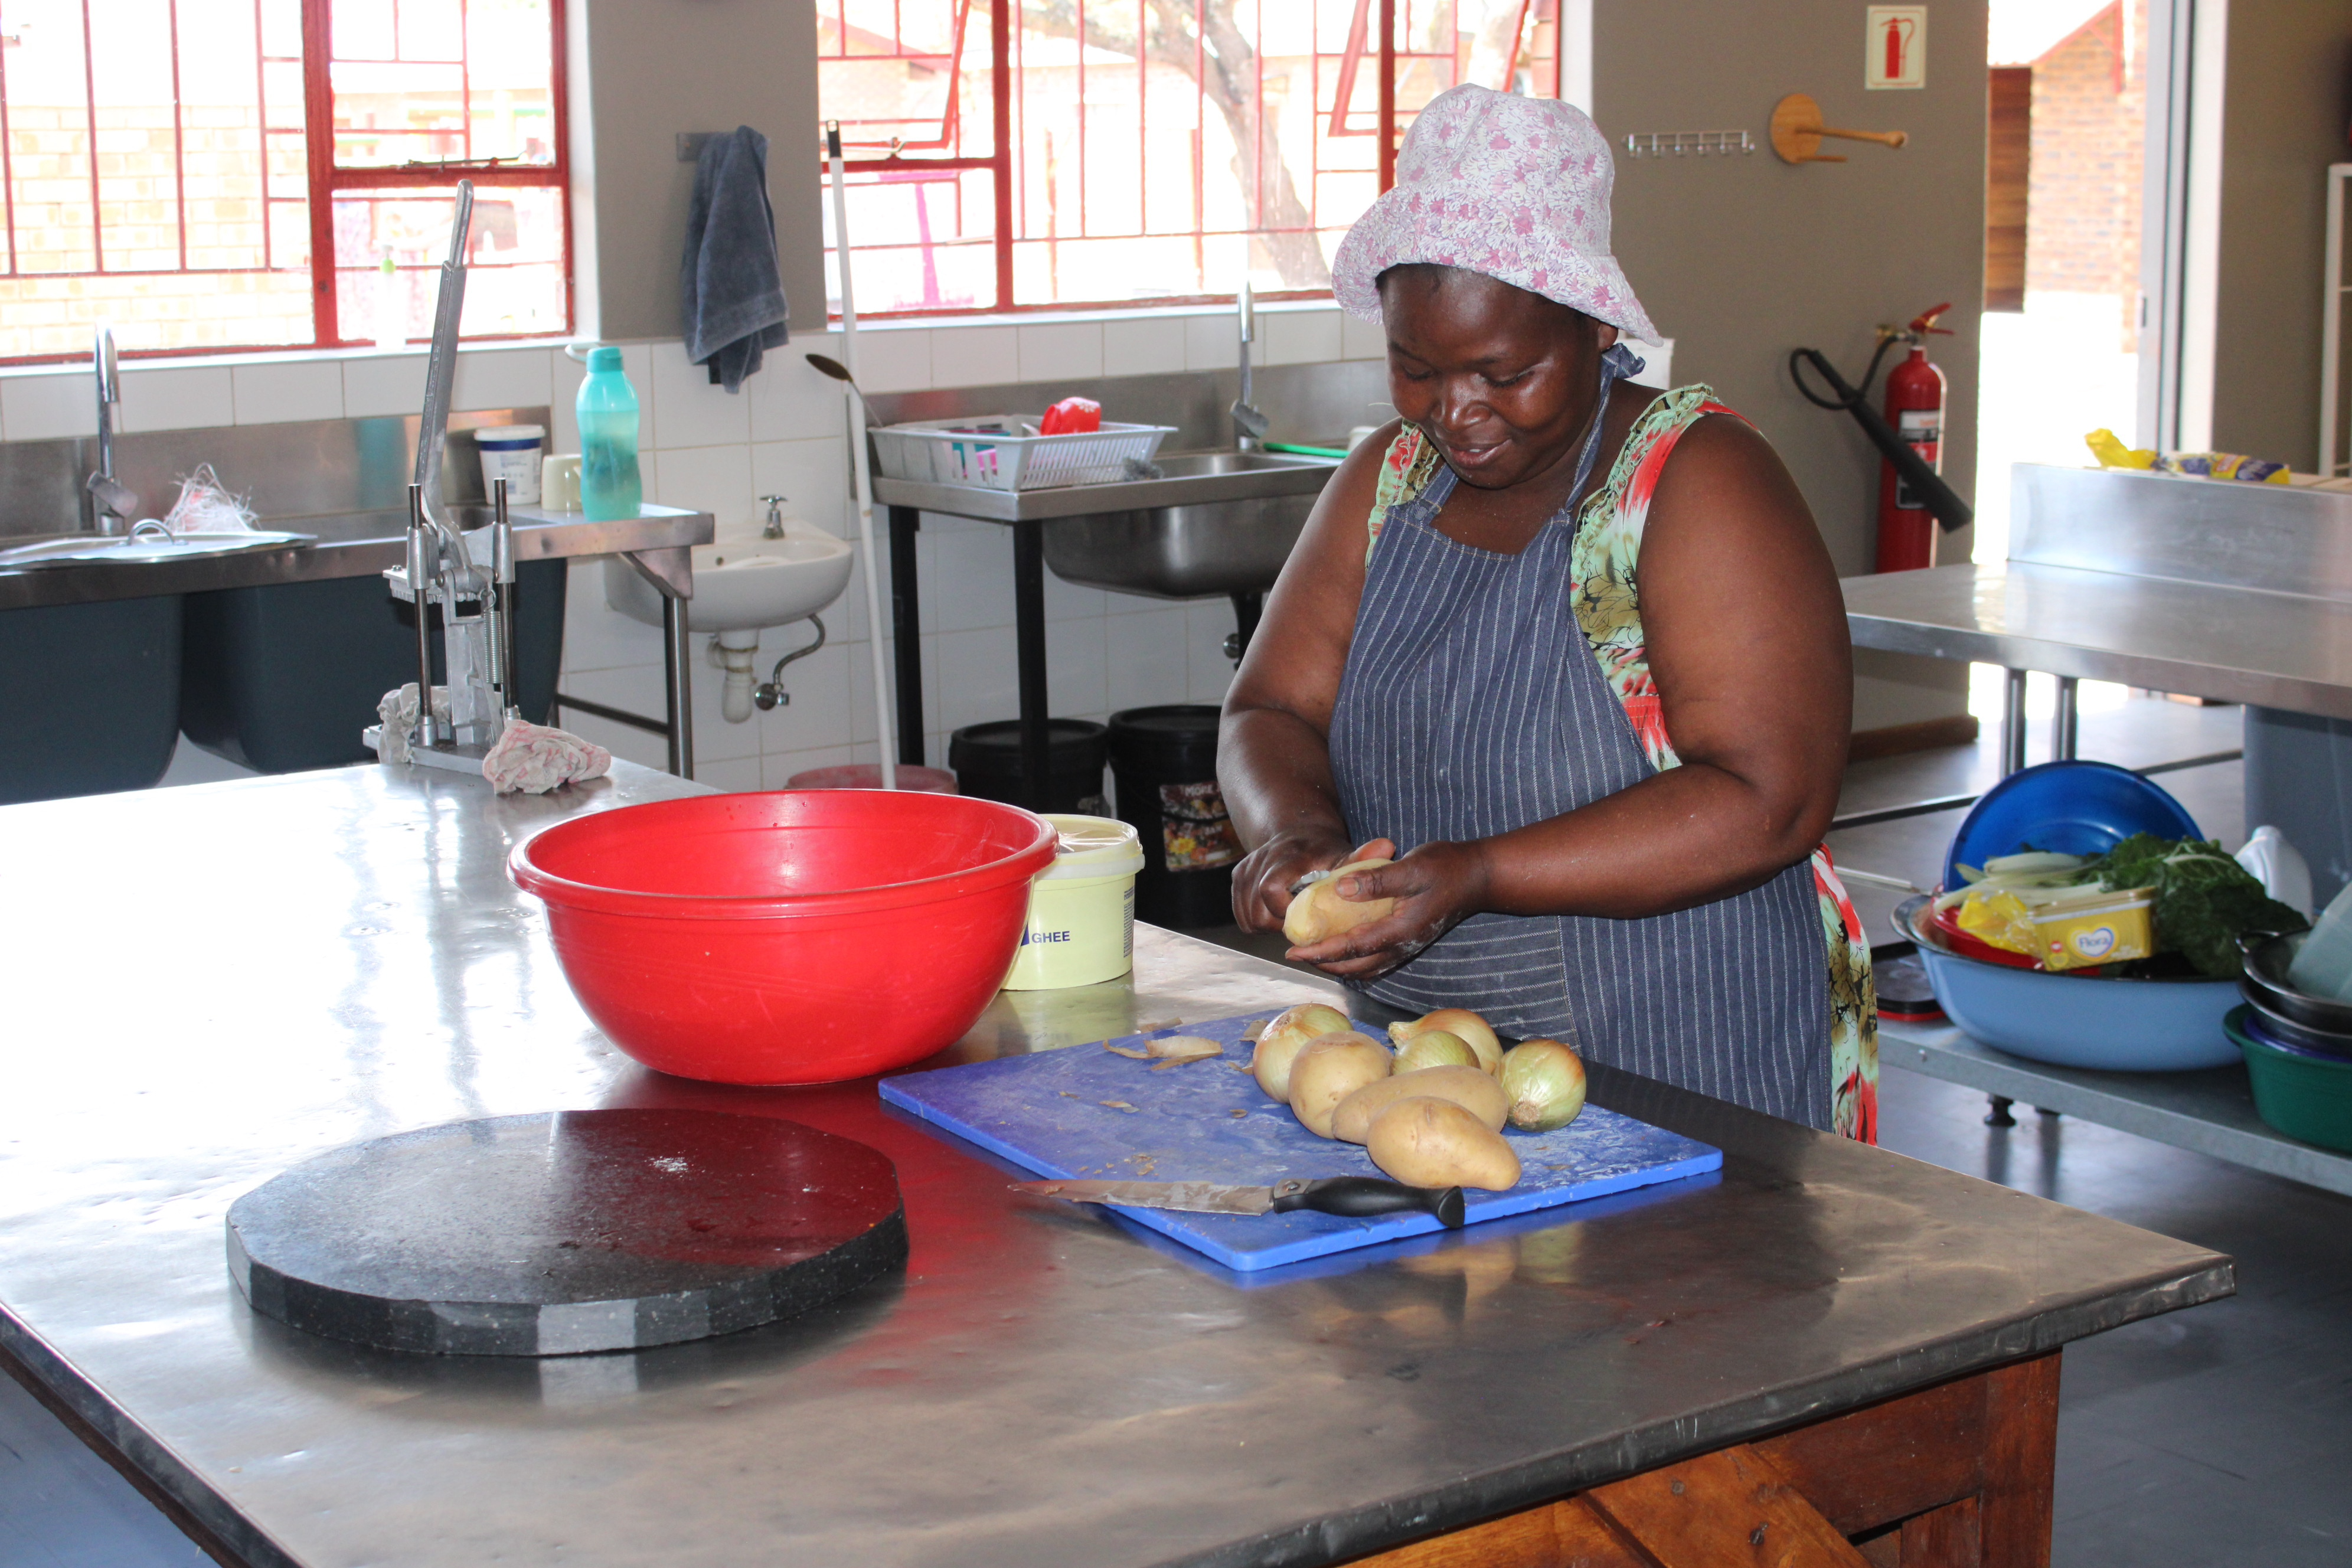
[536, 758]
[396, 713]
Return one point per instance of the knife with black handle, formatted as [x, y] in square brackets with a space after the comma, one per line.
[1351, 1197]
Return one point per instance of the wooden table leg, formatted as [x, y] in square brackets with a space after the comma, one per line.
[1958, 1476]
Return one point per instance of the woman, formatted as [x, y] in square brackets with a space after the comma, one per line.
[1576, 651]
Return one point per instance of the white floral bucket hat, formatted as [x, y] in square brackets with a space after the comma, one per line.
[1517, 188]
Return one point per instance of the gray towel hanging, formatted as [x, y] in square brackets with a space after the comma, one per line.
[734, 296]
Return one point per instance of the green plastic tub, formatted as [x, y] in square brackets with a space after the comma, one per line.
[2306, 1096]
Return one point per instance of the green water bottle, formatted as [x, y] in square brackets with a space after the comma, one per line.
[610, 488]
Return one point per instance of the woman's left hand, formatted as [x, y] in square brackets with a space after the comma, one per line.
[1435, 888]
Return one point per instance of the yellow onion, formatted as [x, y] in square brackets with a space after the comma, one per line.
[1464, 1026]
[1544, 1081]
[1435, 1049]
[1279, 1043]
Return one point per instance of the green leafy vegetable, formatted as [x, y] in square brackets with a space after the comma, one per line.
[2204, 900]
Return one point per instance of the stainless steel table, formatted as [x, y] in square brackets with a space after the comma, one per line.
[2211, 1112]
[210, 984]
[2235, 645]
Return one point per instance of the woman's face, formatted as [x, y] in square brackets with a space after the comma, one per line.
[1501, 379]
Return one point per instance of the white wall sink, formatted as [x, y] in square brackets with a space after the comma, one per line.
[742, 581]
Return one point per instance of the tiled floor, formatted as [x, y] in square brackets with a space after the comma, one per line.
[2218, 1435]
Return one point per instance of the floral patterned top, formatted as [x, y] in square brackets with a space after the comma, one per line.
[1606, 555]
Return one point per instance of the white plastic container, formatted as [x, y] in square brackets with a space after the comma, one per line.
[1081, 928]
[511, 452]
[1005, 452]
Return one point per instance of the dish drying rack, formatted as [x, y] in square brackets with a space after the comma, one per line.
[1006, 452]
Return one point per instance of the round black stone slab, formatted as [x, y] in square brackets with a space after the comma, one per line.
[567, 1232]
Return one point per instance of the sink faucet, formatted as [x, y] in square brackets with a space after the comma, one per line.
[112, 501]
[1249, 424]
[775, 525]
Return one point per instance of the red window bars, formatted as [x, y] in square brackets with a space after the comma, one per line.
[212, 175]
[1117, 151]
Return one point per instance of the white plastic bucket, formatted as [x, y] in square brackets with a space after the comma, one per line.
[511, 452]
[1081, 927]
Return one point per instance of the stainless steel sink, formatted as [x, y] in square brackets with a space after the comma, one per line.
[1213, 522]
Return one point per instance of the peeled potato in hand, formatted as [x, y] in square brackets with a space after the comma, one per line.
[1426, 1142]
[1319, 912]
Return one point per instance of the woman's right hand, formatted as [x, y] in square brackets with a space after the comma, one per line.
[1263, 879]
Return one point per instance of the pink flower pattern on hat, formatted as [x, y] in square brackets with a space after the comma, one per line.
[1517, 188]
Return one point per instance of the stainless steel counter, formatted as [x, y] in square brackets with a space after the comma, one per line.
[360, 545]
[208, 984]
[2238, 644]
[1261, 474]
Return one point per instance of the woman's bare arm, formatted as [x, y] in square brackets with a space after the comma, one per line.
[1273, 760]
[1748, 643]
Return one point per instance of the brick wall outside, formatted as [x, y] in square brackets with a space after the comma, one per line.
[52, 298]
[2082, 219]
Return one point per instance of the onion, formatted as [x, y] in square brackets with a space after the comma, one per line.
[1464, 1026]
[1278, 1044]
[1544, 1081]
[1437, 1048]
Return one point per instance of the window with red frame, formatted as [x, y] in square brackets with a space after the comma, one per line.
[209, 175]
[1035, 153]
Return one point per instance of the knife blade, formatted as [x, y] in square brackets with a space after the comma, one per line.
[1354, 1197]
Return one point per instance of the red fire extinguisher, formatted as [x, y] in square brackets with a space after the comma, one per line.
[1915, 407]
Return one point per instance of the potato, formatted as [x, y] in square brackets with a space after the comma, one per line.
[1330, 1070]
[1424, 1142]
[1279, 1044]
[1464, 1024]
[1470, 1088]
[1319, 912]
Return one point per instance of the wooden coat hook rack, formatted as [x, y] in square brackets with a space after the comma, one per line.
[1796, 132]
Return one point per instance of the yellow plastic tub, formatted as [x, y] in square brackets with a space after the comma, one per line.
[1081, 928]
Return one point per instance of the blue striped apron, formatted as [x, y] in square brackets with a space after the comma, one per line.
[1472, 705]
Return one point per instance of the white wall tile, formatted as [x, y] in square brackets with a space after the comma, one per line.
[1208, 622]
[287, 390]
[1213, 343]
[730, 777]
[1143, 345]
[968, 583]
[503, 378]
[975, 356]
[790, 400]
[47, 408]
[597, 637]
[564, 376]
[1067, 601]
[193, 398]
[866, 721]
[689, 411]
[818, 714]
[383, 384]
[1145, 658]
[715, 480]
[978, 678]
[899, 360]
[1074, 668]
[1361, 340]
[813, 477]
[1051, 351]
[1299, 337]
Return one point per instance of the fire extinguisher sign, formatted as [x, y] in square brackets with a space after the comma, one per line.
[1895, 46]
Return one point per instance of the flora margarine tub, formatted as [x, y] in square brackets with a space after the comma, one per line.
[1081, 928]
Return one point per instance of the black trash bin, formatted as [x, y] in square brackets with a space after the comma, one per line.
[987, 762]
[1164, 761]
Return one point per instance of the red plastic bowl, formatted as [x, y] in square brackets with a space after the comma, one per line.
[802, 936]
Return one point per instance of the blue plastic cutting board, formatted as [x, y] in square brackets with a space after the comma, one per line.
[1209, 1121]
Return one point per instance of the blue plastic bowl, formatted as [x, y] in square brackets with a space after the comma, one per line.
[2111, 1026]
[2073, 807]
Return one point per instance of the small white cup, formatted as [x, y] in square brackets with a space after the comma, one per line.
[511, 452]
[558, 482]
